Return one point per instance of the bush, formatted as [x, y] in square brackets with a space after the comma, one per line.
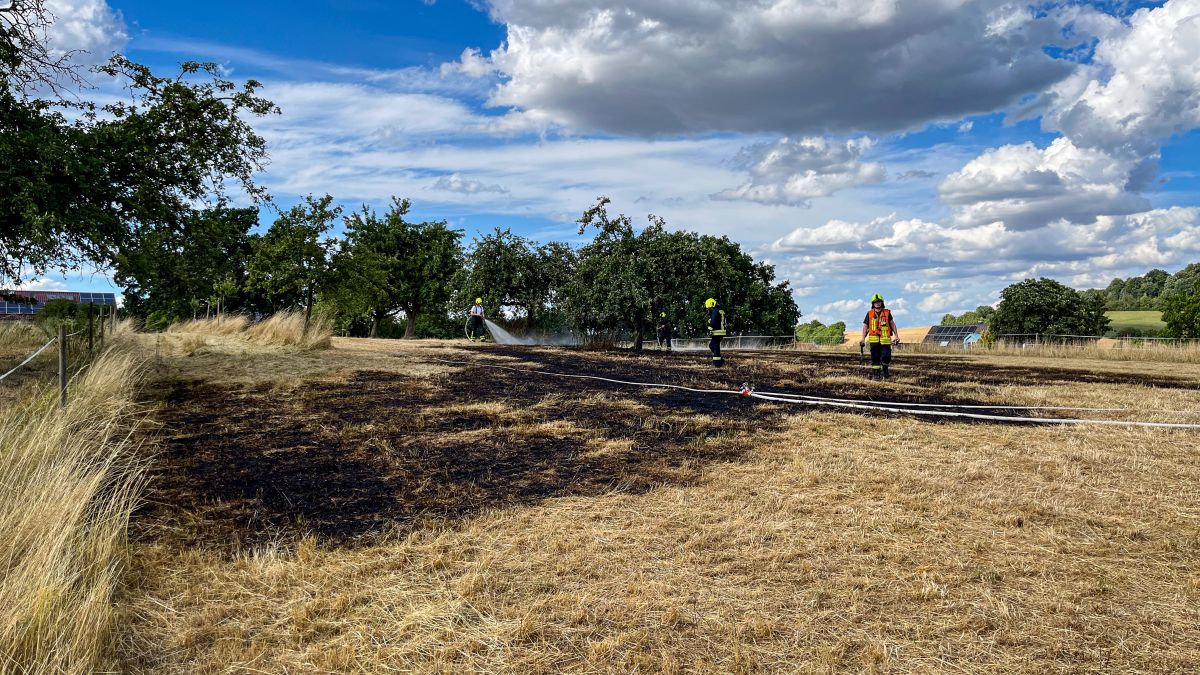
[159, 320]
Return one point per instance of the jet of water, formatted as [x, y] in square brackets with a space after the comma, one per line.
[504, 337]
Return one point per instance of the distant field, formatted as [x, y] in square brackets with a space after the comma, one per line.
[1151, 320]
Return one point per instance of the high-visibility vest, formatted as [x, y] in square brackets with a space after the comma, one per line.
[719, 315]
[879, 326]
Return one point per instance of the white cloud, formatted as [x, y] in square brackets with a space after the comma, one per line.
[90, 26]
[965, 127]
[940, 302]
[934, 253]
[1025, 187]
[653, 66]
[793, 171]
[467, 186]
[838, 310]
[1142, 86]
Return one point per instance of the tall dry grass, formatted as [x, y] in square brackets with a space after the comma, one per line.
[282, 329]
[19, 337]
[228, 324]
[70, 480]
[286, 329]
[1121, 351]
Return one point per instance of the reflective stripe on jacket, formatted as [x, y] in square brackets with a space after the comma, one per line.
[879, 326]
[716, 321]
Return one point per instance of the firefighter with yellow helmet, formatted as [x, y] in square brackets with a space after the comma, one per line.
[716, 329]
[879, 331]
[475, 320]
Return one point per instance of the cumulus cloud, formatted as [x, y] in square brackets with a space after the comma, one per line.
[933, 252]
[793, 171]
[653, 66]
[1141, 86]
[467, 186]
[88, 26]
[1026, 187]
[840, 308]
[940, 302]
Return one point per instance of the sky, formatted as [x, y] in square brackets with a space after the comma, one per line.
[934, 151]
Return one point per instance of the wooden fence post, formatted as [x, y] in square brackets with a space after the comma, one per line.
[91, 327]
[62, 365]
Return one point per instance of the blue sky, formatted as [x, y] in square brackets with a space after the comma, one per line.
[932, 150]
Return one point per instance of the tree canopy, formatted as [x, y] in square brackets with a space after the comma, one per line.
[1047, 307]
[625, 278]
[389, 265]
[981, 314]
[79, 180]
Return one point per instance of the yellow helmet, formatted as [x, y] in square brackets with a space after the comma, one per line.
[710, 303]
[663, 315]
[876, 297]
[479, 301]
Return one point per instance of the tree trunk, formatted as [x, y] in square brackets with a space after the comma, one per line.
[410, 323]
[639, 330]
[374, 324]
[308, 308]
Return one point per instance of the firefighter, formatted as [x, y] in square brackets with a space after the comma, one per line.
[879, 330]
[716, 328]
[475, 322]
[664, 332]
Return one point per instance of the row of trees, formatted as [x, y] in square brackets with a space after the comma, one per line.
[386, 268]
[1151, 290]
[138, 186]
[1047, 307]
[1039, 306]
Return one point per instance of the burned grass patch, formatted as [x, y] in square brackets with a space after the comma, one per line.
[381, 453]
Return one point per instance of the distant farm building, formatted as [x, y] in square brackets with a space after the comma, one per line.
[24, 305]
[955, 336]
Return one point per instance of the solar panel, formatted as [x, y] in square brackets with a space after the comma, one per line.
[953, 335]
[39, 298]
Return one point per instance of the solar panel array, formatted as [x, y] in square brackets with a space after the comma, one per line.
[23, 309]
[952, 335]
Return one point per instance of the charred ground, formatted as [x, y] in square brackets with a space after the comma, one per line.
[376, 452]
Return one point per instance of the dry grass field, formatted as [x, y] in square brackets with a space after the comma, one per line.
[368, 509]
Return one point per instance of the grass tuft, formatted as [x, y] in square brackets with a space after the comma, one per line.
[70, 481]
[282, 329]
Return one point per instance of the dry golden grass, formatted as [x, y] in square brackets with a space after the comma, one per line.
[228, 324]
[282, 329]
[832, 543]
[70, 480]
[286, 329]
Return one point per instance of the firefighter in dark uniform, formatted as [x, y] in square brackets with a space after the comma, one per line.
[664, 332]
[879, 330]
[716, 328]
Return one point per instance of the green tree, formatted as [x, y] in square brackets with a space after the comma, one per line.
[1183, 282]
[981, 314]
[626, 279]
[390, 265]
[510, 271]
[74, 186]
[1044, 306]
[819, 333]
[1181, 313]
[294, 259]
[173, 269]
